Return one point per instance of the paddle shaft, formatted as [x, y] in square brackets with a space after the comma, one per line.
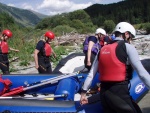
[53, 78]
[49, 81]
[52, 96]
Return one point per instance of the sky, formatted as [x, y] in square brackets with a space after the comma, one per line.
[53, 7]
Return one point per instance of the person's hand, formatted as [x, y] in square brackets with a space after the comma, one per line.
[83, 99]
[16, 50]
[88, 63]
[36, 66]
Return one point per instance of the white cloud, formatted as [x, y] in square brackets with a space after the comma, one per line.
[27, 6]
[97, 1]
[51, 7]
[12, 5]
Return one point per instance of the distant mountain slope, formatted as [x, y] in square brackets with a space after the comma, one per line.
[21, 16]
[133, 11]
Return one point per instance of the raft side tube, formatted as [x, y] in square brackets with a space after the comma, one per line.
[38, 106]
[69, 87]
[138, 89]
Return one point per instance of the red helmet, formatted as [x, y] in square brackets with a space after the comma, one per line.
[7, 32]
[50, 35]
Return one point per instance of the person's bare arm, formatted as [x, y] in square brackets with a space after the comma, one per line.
[88, 81]
[16, 50]
[89, 53]
[36, 58]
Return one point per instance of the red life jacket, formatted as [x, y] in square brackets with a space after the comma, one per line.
[102, 41]
[110, 68]
[4, 47]
[47, 49]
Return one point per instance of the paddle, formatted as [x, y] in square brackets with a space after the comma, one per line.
[39, 98]
[52, 80]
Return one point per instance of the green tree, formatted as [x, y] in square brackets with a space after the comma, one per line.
[61, 29]
[109, 25]
[79, 15]
[6, 21]
[147, 28]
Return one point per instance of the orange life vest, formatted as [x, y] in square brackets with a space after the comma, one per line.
[47, 49]
[102, 41]
[4, 47]
[110, 68]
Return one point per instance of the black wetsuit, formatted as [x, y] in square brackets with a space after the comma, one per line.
[43, 60]
[115, 96]
[4, 62]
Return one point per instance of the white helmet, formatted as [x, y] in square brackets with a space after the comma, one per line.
[123, 27]
[100, 30]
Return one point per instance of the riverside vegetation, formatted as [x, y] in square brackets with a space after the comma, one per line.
[80, 21]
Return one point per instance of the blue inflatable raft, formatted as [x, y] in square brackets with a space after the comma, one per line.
[63, 88]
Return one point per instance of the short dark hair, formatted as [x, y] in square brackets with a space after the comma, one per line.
[117, 34]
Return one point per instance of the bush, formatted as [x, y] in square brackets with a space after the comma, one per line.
[109, 25]
[61, 29]
[147, 27]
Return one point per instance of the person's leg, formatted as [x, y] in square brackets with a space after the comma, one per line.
[136, 107]
[92, 59]
[116, 99]
[85, 63]
[104, 102]
[42, 69]
[49, 68]
[4, 67]
[42, 66]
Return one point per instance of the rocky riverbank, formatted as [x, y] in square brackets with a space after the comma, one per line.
[141, 43]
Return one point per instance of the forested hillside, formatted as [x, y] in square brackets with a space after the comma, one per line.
[80, 21]
[106, 16]
[133, 11]
[23, 17]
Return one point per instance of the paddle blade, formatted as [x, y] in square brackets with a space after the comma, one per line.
[14, 91]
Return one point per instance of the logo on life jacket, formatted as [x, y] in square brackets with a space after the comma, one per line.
[4, 47]
[106, 51]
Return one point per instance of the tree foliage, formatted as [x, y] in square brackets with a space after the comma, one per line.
[147, 27]
[133, 11]
[6, 21]
[109, 25]
[78, 20]
[61, 29]
[81, 21]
